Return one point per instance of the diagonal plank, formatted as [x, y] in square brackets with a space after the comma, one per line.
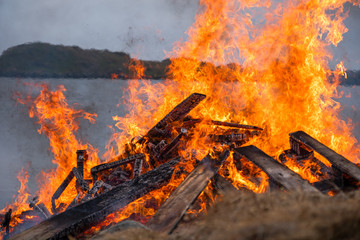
[174, 208]
[87, 214]
[334, 158]
[178, 113]
[275, 170]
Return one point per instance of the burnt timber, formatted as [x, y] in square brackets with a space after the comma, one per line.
[334, 158]
[106, 166]
[178, 113]
[278, 173]
[87, 214]
[174, 208]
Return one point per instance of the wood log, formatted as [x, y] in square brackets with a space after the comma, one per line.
[334, 158]
[105, 166]
[87, 214]
[79, 179]
[80, 159]
[174, 208]
[60, 190]
[220, 123]
[222, 186]
[138, 167]
[277, 172]
[168, 149]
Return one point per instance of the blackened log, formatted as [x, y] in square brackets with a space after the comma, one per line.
[326, 186]
[232, 138]
[106, 166]
[277, 172]
[61, 189]
[168, 149]
[94, 189]
[220, 123]
[79, 179]
[221, 185]
[334, 158]
[80, 159]
[41, 208]
[138, 167]
[87, 214]
[174, 208]
[178, 113]
[6, 223]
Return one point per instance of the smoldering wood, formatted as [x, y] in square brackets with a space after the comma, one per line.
[277, 172]
[87, 214]
[93, 190]
[79, 179]
[168, 149]
[80, 159]
[138, 167]
[60, 190]
[179, 201]
[105, 166]
[220, 123]
[178, 113]
[321, 171]
[233, 137]
[340, 162]
[221, 185]
[326, 186]
[41, 208]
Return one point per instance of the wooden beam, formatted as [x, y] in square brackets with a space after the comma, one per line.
[333, 157]
[174, 208]
[178, 113]
[87, 214]
[277, 172]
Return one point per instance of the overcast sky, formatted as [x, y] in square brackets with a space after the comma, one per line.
[143, 28]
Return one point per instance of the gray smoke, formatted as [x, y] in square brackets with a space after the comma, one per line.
[142, 28]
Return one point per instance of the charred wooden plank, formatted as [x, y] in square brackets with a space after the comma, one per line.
[334, 158]
[79, 179]
[106, 166]
[41, 208]
[233, 137]
[94, 189]
[138, 167]
[178, 113]
[80, 159]
[87, 214]
[6, 222]
[61, 189]
[166, 151]
[220, 123]
[221, 185]
[277, 172]
[174, 208]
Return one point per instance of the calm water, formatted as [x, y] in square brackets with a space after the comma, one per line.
[20, 144]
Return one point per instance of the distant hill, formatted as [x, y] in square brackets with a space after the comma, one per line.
[52, 61]
[43, 60]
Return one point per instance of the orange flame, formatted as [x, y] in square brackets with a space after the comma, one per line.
[259, 62]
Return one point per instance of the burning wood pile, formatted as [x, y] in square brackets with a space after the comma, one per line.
[155, 159]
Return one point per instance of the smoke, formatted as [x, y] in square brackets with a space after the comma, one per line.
[142, 28]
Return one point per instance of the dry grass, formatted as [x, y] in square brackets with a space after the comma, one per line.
[268, 216]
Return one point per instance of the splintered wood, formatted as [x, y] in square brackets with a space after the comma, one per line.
[149, 163]
[174, 208]
[85, 215]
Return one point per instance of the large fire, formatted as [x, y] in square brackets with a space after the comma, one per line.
[258, 62]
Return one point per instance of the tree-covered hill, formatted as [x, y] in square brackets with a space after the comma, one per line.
[46, 60]
[43, 60]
